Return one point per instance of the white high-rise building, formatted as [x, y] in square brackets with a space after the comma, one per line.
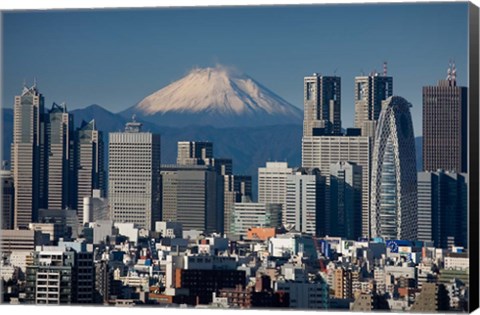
[134, 176]
[60, 160]
[394, 176]
[305, 200]
[28, 165]
[321, 152]
[89, 164]
[272, 184]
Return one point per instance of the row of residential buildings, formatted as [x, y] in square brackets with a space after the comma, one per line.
[270, 268]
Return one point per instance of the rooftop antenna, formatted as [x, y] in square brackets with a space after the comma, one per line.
[335, 72]
[134, 117]
[34, 82]
[449, 70]
[384, 68]
[24, 82]
[454, 72]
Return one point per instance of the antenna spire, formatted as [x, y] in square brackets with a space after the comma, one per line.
[449, 70]
[454, 72]
[384, 68]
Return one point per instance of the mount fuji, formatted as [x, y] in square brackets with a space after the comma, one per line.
[218, 96]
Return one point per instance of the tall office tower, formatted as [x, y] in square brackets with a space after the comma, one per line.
[272, 184]
[60, 275]
[193, 196]
[321, 152]
[322, 105]
[28, 152]
[442, 208]
[134, 182]
[370, 91]
[60, 158]
[236, 187]
[445, 125]
[89, 163]
[193, 152]
[394, 175]
[248, 214]
[305, 200]
[346, 199]
[8, 193]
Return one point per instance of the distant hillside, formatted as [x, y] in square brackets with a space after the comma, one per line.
[249, 147]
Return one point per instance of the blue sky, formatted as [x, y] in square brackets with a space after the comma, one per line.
[116, 57]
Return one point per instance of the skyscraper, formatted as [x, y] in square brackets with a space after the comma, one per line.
[60, 158]
[394, 177]
[272, 184]
[305, 200]
[28, 165]
[322, 105]
[346, 199]
[443, 208]
[193, 196]
[321, 152]
[234, 186]
[445, 125]
[370, 91]
[89, 163]
[134, 176]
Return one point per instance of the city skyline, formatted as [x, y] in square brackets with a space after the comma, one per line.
[336, 214]
[278, 64]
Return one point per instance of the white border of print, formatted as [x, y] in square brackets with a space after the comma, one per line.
[72, 4]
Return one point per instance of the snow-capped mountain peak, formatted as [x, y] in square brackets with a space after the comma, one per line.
[217, 92]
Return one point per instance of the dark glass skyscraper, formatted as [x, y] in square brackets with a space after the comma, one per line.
[445, 125]
[443, 208]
